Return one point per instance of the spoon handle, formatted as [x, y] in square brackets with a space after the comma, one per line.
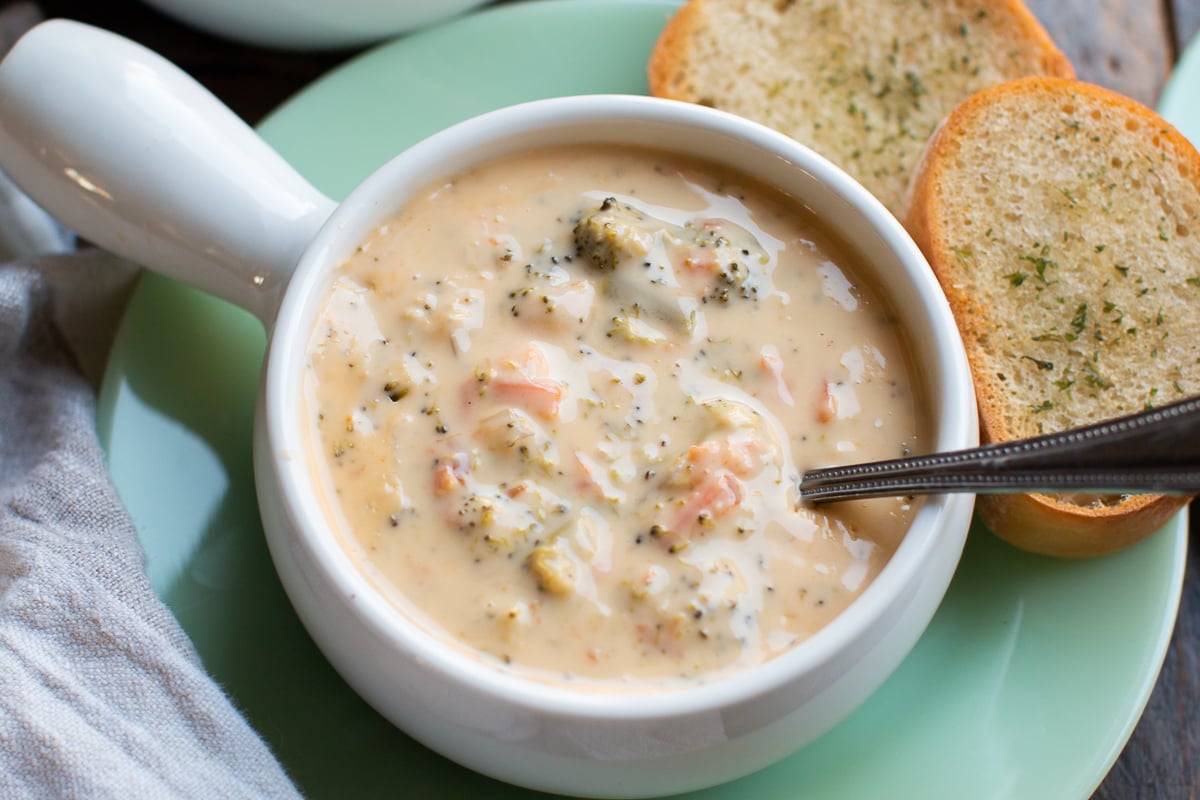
[1156, 451]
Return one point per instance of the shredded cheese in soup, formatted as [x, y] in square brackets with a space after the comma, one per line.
[560, 404]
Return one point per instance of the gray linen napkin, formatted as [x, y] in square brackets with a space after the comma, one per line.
[101, 692]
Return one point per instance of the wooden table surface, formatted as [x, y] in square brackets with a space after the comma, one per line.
[1127, 45]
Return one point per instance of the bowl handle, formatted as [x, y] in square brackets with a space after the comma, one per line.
[136, 156]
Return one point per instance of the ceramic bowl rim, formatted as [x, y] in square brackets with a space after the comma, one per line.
[382, 619]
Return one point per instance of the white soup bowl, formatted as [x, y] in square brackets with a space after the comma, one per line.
[138, 158]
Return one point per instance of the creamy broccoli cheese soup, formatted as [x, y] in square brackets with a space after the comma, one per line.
[560, 403]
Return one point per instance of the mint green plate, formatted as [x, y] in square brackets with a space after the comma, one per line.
[1027, 684]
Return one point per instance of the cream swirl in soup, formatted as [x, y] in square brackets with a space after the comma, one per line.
[560, 403]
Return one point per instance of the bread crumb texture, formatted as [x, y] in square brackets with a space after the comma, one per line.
[1063, 221]
[864, 83]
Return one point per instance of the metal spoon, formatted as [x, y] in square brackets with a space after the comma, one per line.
[1155, 451]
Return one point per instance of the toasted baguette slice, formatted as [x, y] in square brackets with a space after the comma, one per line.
[864, 83]
[1063, 221]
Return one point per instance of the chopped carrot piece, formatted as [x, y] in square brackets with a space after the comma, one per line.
[537, 395]
[827, 409]
[773, 365]
[735, 454]
[717, 495]
[700, 260]
[527, 383]
[450, 473]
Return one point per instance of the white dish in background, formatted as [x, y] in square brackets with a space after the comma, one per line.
[311, 24]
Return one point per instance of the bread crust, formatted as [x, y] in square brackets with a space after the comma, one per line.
[1037, 522]
[1042, 524]
[671, 50]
